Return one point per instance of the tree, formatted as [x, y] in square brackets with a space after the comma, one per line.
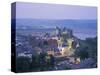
[22, 64]
[82, 52]
[92, 47]
[88, 48]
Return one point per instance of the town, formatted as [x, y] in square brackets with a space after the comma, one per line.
[52, 48]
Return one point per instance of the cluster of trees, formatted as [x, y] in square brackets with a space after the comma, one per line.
[39, 62]
[87, 49]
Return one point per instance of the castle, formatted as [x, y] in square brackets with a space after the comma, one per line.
[66, 41]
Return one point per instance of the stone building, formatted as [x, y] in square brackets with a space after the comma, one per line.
[66, 41]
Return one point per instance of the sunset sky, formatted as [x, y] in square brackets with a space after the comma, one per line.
[54, 11]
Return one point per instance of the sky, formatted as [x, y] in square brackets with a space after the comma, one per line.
[54, 11]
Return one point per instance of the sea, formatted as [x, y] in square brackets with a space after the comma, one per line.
[82, 29]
